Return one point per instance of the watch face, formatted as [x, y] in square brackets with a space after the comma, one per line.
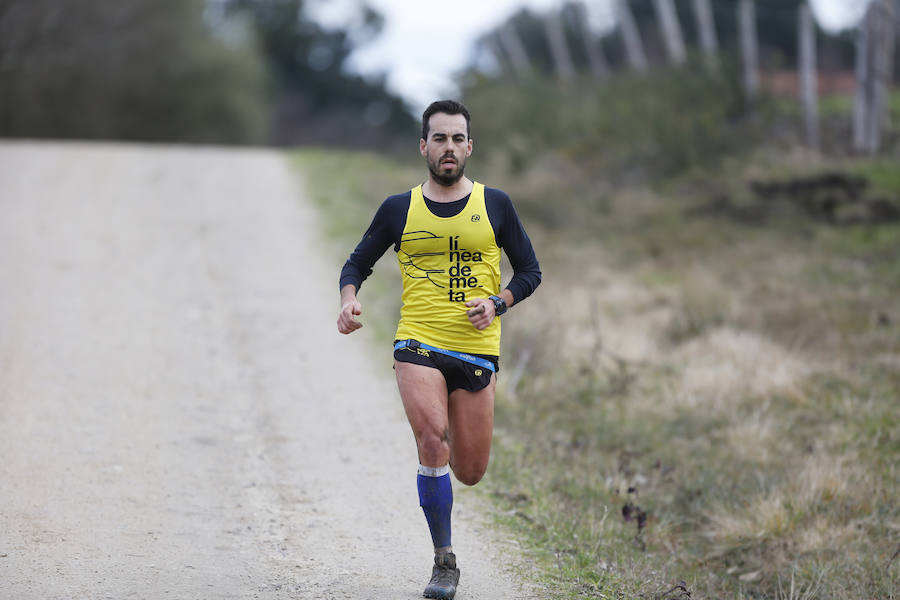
[499, 305]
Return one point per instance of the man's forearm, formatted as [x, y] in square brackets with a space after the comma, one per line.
[507, 297]
[348, 293]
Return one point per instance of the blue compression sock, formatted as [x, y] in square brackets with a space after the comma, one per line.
[436, 500]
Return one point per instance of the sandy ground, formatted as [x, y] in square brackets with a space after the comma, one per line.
[178, 416]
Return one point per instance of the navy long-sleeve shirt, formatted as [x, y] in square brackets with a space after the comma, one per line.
[387, 227]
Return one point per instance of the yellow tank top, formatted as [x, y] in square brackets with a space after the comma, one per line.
[446, 261]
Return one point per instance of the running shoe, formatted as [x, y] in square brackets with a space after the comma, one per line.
[444, 577]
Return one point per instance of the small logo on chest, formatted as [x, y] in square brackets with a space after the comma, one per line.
[476, 218]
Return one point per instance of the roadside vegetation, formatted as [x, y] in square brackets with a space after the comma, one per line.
[195, 71]
[701, 401]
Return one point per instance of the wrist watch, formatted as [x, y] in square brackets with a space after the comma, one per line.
[499, 305]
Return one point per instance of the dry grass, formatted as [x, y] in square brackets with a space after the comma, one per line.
[727, 364]
[796, 508]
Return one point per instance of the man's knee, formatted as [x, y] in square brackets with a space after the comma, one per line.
[469, 474]
[433, 446]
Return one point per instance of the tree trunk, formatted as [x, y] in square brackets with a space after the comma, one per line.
[809, 75]
[634, 47]
[671, 30]
[749, 48]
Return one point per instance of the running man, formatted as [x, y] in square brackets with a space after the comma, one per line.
[448, 233]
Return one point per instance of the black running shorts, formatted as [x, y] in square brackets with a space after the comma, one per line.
[458, 373]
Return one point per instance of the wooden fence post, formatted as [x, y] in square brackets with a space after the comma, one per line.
[492, 44]
[671, 30]
[707, 28]
[634, 47]
[599, 66]
[749, 48]
[556, 35]
[808, 74]
[874, 71]
[882, 41]
[863, 86]
[514, 49]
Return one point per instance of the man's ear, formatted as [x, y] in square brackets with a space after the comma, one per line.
[422, 146]
[469, 148]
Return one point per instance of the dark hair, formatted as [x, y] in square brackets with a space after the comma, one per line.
[450, 107]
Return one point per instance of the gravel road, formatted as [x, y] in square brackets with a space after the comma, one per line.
[178, 416]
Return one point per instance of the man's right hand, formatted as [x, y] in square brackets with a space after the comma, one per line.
[347, 322]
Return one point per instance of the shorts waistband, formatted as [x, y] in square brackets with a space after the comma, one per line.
[475, 360]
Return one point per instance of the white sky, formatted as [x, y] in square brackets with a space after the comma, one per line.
[424, 42]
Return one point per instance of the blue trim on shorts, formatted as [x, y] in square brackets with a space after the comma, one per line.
[475, 360]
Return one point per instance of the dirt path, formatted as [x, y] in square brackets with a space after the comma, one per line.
[178, 416]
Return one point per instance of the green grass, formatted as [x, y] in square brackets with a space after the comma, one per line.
[735, 382]
[882, 173]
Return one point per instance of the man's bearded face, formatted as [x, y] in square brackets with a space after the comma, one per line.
[447, 148]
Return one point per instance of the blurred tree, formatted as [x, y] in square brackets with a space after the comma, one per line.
[143, 69]
[216, 71]
[317, 100]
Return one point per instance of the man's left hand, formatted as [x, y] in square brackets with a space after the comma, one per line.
[481, 312]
